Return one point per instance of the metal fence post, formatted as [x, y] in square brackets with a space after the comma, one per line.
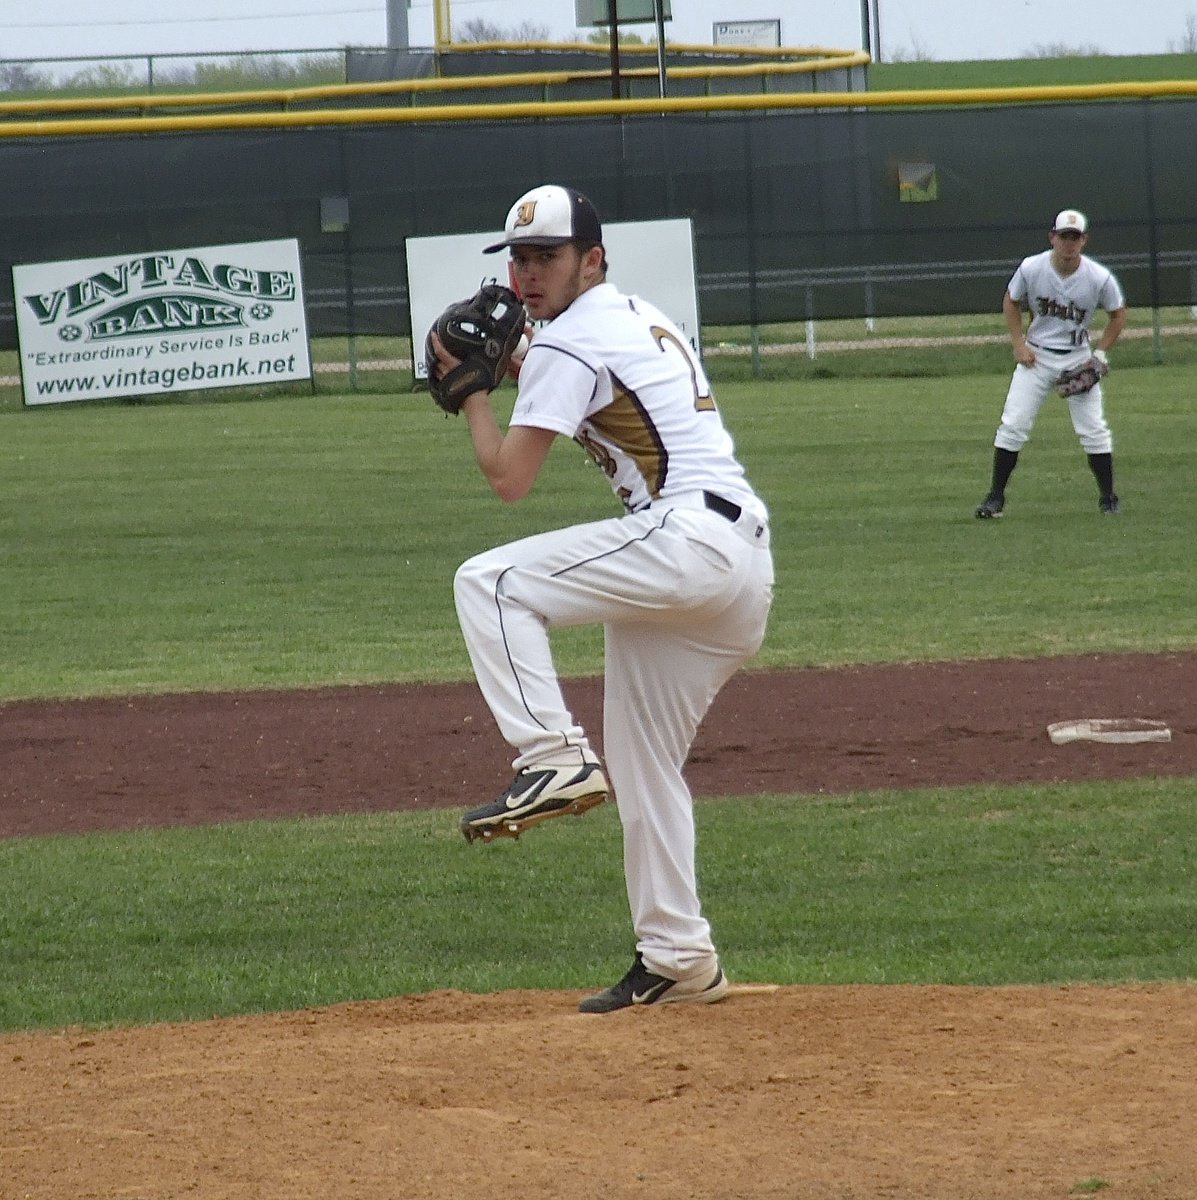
[1153, 241]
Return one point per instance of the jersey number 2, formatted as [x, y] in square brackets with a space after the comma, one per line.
[703, 401]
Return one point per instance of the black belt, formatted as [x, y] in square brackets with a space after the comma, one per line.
[725, 508]
[1052, 349]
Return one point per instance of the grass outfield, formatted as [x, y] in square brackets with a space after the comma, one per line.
[299, 541]
[306, 540]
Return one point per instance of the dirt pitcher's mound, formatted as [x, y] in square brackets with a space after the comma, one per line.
[825, 1093]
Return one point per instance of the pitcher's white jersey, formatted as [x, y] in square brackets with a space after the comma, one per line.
[1062, 306]
[614, 373]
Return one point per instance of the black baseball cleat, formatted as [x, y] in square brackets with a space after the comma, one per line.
[535, 795]
[1109, 504]
[991, 506]
[642, 986]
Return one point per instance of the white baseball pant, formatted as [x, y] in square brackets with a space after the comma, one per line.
[684, 596]
[1031, 386]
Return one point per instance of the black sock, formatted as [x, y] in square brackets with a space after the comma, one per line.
[1004, 462]
[1102, 466]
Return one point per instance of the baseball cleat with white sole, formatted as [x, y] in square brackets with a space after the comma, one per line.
[641, 986]
[991, 506]
[536, 794]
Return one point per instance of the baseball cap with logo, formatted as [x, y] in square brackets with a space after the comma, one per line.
[1070, 219]
[550, 216]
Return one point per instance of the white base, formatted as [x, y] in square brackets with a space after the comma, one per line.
[1109, 729]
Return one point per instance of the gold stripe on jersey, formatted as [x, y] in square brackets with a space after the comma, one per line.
[625, 424]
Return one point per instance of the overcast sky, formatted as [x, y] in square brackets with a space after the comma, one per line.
[944, 30]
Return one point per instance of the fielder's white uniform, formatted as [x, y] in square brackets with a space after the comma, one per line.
[1061, 307]
[682, 589]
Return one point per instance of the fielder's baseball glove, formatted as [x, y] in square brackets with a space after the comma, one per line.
[1081, 379]
[482, 332]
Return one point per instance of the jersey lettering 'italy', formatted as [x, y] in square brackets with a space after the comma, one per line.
[614, 373]
[1062, 306]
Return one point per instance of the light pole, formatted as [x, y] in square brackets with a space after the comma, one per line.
[659, 16]
[870, 28]
[397, 35]
[613, 17]
[443, 24]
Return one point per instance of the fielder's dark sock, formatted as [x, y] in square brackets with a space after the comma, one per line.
[1102, 466]
[1004, 462]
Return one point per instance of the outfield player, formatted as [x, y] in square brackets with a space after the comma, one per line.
[1062, 288]
[682, 582]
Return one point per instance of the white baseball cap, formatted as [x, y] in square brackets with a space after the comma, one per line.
[550, 216]
[1071, 219]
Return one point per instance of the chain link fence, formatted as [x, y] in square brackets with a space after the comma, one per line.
[799, 214]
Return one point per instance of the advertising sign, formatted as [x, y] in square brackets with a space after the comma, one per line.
[653, 259]
[755, 34]
[628, 12]
[163, 321]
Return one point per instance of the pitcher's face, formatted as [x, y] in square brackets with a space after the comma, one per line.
[550, 278]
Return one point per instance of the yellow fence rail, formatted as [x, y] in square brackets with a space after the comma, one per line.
[592, 108]
[281, 108]
[778, 64]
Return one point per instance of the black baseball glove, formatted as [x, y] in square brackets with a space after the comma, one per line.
[482, 332]
[1081, 379]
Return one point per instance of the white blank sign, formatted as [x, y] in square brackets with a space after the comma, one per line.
[651, 259]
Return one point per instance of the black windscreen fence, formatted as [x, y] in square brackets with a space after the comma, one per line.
[797, 214]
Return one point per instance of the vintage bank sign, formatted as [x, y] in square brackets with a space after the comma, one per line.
[167, 321]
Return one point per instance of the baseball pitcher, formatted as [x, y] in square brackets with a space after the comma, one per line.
[681, 583]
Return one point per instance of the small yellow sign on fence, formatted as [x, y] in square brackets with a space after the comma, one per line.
[917, 183]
